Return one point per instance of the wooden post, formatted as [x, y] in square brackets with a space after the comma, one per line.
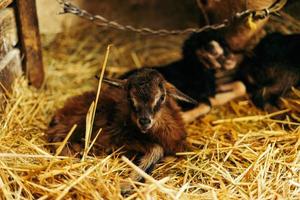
[30, 41]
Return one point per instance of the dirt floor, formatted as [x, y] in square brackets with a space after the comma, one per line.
[235, 152]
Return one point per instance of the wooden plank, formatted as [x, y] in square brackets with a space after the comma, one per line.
[8, 31]
[10, 68]
[5, 3]
[30, 41]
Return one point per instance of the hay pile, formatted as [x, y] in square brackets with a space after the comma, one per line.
[235, 152]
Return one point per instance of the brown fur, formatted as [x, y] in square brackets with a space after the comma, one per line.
[168, 130]
[117, 119]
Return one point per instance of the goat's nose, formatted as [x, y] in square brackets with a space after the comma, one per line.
[144, 121]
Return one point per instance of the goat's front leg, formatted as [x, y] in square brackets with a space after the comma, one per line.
[228, 92]
[153, 154]
[191, 115]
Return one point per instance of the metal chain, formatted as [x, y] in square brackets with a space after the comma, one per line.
[104, 22]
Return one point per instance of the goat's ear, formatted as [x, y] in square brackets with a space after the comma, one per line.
[177, 94]
[115, 82]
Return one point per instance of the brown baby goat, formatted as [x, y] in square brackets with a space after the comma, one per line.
[139, 114]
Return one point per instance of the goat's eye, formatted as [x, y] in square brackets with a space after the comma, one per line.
[135, 109]
[162, 98]
[160, 85]
[159, 102]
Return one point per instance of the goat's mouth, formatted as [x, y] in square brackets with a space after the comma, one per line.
[145, 129]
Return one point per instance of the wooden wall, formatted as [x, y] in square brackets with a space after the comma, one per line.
[10, 62]
[20, 45]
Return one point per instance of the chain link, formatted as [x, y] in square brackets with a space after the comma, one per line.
[104, 22]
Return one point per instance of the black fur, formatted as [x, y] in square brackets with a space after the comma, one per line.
[189, 74]
[273, 68]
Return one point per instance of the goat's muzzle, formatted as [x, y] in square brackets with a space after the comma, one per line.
[144, 124]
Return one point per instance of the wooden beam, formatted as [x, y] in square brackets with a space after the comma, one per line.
[10, 68]
[30, 41]
[8, 31]
[5, 3]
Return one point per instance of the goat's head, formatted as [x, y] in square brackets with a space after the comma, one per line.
[147, 93]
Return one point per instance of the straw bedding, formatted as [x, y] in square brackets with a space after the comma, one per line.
[235, 152]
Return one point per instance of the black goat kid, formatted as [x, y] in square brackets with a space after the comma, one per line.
[267, 72]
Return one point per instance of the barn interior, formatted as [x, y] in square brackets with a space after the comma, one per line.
[236, 151]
